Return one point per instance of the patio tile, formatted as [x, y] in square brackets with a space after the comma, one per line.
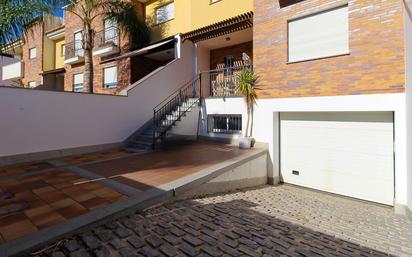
[72, 210]
[17, 229]
[47, 219]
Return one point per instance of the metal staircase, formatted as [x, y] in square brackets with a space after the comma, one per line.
[167, 114]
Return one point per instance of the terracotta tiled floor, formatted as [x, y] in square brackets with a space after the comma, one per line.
[24, 168]
[51, 198]
[157, 168]
[96, 156]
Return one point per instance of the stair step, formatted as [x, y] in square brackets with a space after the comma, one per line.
[141, 142]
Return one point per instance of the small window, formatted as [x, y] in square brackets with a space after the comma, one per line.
[226, 124]
[319, 35]
[165, 13]
[78, 82]
[78, 44]
[32, 53]
[32, 84]
[110, 31]
[63, 50]
[229, 63]
[110, 77]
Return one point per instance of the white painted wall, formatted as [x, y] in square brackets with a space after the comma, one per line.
[230, 105]
[266, 126]
[408, 86]
[36, 121]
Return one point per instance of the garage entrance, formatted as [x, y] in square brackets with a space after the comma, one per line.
[347, 153]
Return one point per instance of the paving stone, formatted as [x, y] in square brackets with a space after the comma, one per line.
[168, 250]
[102, 251]
[229, 250]
[91, 241]
[80, 253]
[71, 245]
[192, 240]
[117, 244]
[136, 242]
[212, 251]
[154, 240]
[58, 254]
[188, 250]
[172, 239]
[105, 235]
[148, 252]
[122, 232]
[126, 252]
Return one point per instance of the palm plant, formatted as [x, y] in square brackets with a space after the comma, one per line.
[246, 87]
[121, 11]
[18, 16]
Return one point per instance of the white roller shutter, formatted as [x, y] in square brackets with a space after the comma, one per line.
[319, 35]
[344, 153]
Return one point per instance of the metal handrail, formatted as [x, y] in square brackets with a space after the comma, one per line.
[74, 49]
[170, 110]
[108, 35]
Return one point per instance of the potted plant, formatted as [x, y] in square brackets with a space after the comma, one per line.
[246, 87]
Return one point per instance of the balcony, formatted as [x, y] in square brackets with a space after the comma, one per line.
[222, 82]
[107, 42]
[74, 53]
[12, 71]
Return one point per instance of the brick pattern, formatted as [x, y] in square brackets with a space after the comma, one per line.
[20, 169]
[73, 24]
[268, 221]
[50, 198]
[376, 60]
[32, 68]
[217, 56]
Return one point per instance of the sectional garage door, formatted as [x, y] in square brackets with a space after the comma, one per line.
[348, 153]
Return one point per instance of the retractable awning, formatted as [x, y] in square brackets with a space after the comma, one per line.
[144, 50]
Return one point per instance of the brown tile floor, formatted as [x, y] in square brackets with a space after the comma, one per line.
[157, 168]
[53, 196]
[50, 198]
[18, 169]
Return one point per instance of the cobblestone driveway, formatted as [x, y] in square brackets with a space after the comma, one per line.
[268, 221]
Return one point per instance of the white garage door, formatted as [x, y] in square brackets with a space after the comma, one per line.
[348, 153]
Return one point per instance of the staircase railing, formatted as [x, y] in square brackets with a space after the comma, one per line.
[170, 110]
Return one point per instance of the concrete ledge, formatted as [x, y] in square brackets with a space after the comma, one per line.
[47, 155]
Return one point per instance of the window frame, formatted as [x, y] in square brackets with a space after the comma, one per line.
[117, 77]
[211, 122]
[163, 6]
[317, 12]
[74, 85]
[30, 53]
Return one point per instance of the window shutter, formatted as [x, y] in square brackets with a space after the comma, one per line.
[320, 35]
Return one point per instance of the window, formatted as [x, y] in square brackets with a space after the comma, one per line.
[226, 123]
[78, 44]
[229, 63]
[319, 35]
[78, 82]
[63, 50]
[214, 1]
[110, 31]
[32, 84]
[110, 77]
[32, 53]
[165, 13]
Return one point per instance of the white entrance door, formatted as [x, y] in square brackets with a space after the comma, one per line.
[347, 153]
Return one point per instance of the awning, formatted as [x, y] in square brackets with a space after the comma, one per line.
[142, 51]
[237, 23]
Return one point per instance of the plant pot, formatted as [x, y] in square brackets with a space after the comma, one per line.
[245, 142]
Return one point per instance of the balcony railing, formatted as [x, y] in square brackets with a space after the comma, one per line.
[222, 82]
[108, 36]
[74, 49]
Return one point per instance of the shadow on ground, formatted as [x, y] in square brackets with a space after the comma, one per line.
[193, 228]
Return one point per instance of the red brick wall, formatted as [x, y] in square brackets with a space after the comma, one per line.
[74, 24]
[217, 56]
[376, 43]
[32, 68]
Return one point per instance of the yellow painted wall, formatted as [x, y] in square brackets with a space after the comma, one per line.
[48, 54]
[204, 13]
[193, 14]
[59, 59]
